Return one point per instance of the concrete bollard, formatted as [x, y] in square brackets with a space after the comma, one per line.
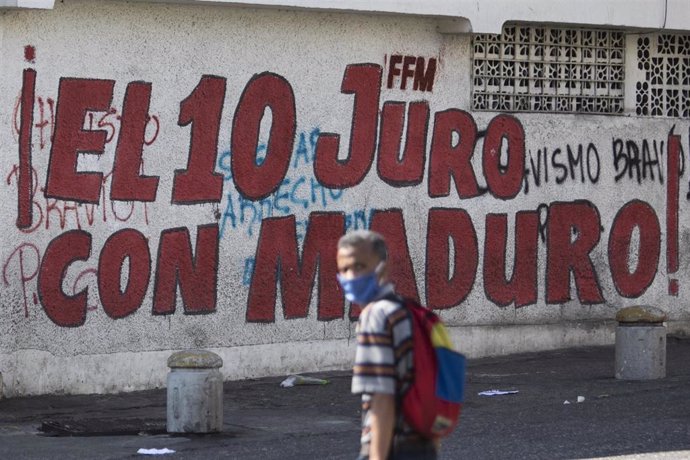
[195, 392]
[640, 343]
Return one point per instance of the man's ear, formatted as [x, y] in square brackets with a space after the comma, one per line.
[382, 271]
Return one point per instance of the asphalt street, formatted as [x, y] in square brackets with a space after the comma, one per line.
[615, 419]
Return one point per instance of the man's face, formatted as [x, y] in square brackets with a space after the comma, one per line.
[355, 261]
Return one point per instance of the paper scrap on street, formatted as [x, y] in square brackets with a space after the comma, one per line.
[497, 392]
[579, 400]
[162, 451]
[293, 380]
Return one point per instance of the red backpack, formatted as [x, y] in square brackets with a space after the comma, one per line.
[432, 403]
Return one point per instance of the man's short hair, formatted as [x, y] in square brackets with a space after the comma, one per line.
[358, 237]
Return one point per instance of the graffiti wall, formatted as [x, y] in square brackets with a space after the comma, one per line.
[178, 177]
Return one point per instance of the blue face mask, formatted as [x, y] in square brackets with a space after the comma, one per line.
[361, 290]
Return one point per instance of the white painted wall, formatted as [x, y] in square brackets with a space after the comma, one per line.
[172, 46]
[489, 16]
[46, 4]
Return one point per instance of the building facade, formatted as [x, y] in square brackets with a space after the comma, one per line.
[177, 175]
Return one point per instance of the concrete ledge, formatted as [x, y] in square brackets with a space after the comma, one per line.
[39, 4]
[483, 341]
[41, 372]
[678, 328]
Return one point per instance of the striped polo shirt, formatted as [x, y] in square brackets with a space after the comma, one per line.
[383, 360]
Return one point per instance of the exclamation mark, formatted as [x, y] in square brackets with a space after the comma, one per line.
[672, 189]
[24, 176]
[24, 182]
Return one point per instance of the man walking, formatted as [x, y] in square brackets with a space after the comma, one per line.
[383, 366]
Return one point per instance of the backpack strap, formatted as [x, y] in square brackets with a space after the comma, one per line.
[399, 419]
[393, 297]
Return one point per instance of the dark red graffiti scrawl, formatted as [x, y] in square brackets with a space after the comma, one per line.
[64, 310]
[24, 188]
[391, 224]
[410, 169]
[202, 109]
[30, 54]
[197, 275]
[574, 229]
[49, 212]
[521, 288]
[452, 160]
[412, 67]
[89, 272]
[504, 179]
[85, 122]
[672, 202]
[266, 90]
[687, 196]
[125, 245]
[443, 288]
[277, 258]
[76, 97]
[127, 183]
[24, 275]
[364, 81]
[640, 215]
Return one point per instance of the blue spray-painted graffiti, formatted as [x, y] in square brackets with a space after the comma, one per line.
[296, 192]
[248, 270]
[359, 219]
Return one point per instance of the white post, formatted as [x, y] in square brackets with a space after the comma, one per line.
[640, 343]
[195, 392]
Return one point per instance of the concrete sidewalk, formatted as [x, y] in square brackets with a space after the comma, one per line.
[632, 419]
